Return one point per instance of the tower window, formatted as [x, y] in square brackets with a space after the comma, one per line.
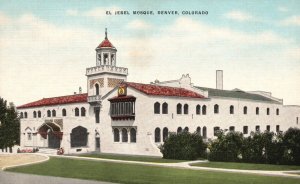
[156, 108]
[216, 108]
[97, 88]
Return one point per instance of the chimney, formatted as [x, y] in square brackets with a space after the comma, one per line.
[80, 90]
[219, 79]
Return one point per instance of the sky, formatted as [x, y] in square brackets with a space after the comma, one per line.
[46, 46]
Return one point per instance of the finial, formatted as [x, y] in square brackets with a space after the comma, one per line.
[105, 33]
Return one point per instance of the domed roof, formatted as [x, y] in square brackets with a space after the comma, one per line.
[106, 43]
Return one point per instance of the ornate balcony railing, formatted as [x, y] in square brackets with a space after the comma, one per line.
[94, 99]
[106, 68]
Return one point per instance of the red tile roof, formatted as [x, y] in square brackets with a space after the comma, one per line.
[156, 90]
[57, 100]
[122, 98]
[106, 43]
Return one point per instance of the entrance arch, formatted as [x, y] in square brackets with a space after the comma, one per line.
[53, 133]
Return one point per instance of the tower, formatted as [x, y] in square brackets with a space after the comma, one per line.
[105, 75]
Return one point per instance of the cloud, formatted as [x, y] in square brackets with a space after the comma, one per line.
[283, 9]
[138, 24]
[72, 12]
[240, 16]
[291, 21]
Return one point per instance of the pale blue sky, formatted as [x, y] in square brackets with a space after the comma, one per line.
[46, 46]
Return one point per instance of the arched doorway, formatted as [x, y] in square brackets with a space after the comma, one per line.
[53, 133]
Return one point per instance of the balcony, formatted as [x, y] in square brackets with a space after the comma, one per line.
[95, 99]
[106, 69]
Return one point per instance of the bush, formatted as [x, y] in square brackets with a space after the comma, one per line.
[183, 146]
[291, 141]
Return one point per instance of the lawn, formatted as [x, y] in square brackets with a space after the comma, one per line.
[131, 173]
[248, 166]
[132, 158]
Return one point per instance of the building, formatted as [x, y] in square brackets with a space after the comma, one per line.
[116, 116]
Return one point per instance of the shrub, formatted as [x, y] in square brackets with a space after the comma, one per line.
[291, 141]
[183, 146]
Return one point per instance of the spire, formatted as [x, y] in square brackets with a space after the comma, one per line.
[106, 33]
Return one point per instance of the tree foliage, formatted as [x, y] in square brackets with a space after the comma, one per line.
[183, 146]
[10, 125]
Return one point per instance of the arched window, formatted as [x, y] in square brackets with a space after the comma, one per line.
[179, 108]
[53, 113]
[132, 135]
[231, 109]
[204, 133]
[48, 113]
[34, 114]
[157, 134]
[82, 111]
[124, 135]
[79, 137]
[165, 108]
[97, 88]
[277, 111]
[216, 109]
[64, 112]
[231, 128]
[116, 135]
[165, 133]
[21, 115]
[245, 110]
[186, 129]
[216, 130]
[198, 130]
[257, 111]
[204, 109]
[76, 111]
[156, 108]
[39, 114]
[25, 114]
[268, 111]
[198, 109]
[179, 130]
[186, 108]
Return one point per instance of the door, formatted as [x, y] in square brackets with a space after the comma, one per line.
[53, 140]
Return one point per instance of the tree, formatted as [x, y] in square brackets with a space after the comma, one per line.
[183, 146]
[10, 125]
[291, 140]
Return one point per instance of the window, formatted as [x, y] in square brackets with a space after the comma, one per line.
[25, 114]
[79, 137]
[204, 109]
[165, 133]
[186, 129]
[34, 114]
[122, 109]
[64, 112]
[48, 113]
[204, 132]
[257, 128]
[268, 128]
[82, 111]
[132, 135]
[179, 108]
[53, 113]
[124, 135]
[97, 88]
[231, 109]
[21, 115]
[156, 108]
[257, 111]
[198, 130]
[179, 130]
[186, 108]
[245, 130]
[39, 114]
[157, 134]
[29, 136]
[277, 112]
[198, 109]
[277, 128]
[268, 111]
[165, 108]
[76, 111]
[231, 128]
[216, 130]
[245, 109]
[97, 114]
[216, 108]
[297, 120]
[116, 135]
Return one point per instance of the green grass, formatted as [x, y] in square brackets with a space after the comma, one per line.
[131, 173]
[132, 158]
[248, 166]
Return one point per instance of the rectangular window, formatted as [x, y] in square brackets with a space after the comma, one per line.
[297, 119]
[216, 130]
[277, 128]
[245, 130]
[257, 128]
[268, 128]
[232, 129]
